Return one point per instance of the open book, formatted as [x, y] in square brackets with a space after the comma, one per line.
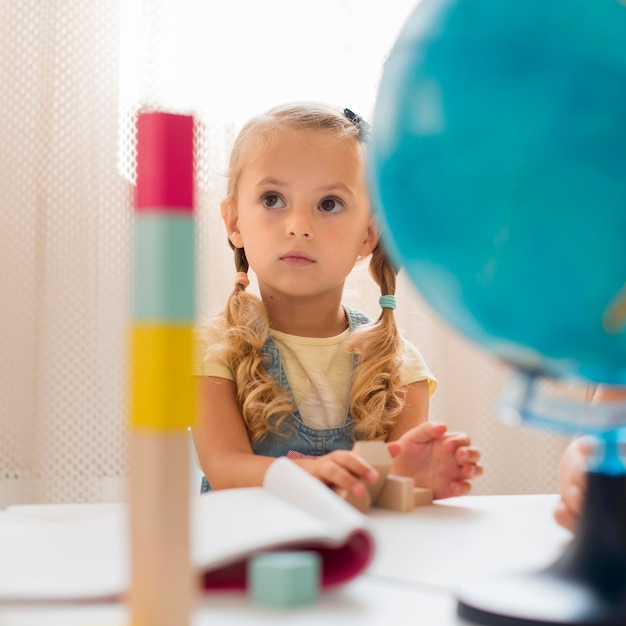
[81, 552]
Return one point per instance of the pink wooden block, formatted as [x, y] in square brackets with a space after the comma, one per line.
[165, 180]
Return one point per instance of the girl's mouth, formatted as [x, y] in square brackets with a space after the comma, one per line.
[297, 258]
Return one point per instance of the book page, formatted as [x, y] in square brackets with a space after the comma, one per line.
[291, 482]
[291, 507]
[72, 552]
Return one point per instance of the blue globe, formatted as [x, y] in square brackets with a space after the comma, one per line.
[498, 164]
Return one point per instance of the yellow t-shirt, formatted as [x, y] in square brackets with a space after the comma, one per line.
[318, 370]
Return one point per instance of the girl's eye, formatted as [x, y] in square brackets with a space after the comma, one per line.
[272, 201]
[331, 205]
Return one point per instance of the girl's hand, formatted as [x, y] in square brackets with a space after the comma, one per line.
[573, 481]
[443, 461]
[342, 470]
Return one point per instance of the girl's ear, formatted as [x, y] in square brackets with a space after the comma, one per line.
[231, 221]
[371, 240]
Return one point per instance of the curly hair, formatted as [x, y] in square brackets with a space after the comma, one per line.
[377, 393]
[376, 396]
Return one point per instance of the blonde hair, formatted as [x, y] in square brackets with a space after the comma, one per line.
[376, 396]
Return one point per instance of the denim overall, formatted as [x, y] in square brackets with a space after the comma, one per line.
[300, 437]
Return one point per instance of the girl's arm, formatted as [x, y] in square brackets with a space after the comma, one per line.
[226, 456]
[443, 461]
[221, 438]
[415, 411]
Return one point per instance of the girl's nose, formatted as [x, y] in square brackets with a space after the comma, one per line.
[299, 226]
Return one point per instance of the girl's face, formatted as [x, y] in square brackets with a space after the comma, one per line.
[302, 213]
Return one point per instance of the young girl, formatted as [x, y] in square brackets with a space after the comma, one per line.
[296, 373]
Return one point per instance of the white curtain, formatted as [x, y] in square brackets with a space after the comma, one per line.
[74, 73]
[63, 253]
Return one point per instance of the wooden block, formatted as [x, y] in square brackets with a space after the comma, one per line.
[165, 161]
[164, 267]
[163, 391]
[163, 582]
[362, 503]
[397, 493]
[377, 455]
[284, 579]
[374, 452]
[422, 496]
[163, 388]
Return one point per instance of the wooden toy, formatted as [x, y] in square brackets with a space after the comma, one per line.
[162, 390]
[377, 455]
[422, 496]
[397, 493]
[362, 503]
[284, 579]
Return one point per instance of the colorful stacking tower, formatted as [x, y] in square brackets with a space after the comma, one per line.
[162, 390]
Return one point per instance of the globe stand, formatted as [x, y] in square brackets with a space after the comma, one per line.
[585, 586]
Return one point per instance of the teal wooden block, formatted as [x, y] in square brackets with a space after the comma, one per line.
[164, 267]
[284, 579]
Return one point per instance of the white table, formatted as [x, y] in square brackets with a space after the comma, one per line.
[421, 557]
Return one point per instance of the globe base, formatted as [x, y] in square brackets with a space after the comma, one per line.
[586, 586]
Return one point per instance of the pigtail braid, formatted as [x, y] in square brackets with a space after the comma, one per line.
[376, 396]
[263, 404]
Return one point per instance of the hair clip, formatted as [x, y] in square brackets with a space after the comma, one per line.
[360, 123]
